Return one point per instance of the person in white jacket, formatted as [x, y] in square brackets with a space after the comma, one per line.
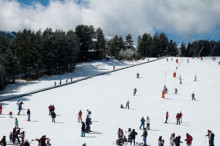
[172, 137]
[148, 123]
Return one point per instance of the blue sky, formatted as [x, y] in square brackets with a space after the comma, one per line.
[182, 21]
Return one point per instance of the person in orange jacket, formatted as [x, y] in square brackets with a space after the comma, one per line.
[80, 116]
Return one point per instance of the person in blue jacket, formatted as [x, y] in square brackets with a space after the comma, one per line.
[142, 123]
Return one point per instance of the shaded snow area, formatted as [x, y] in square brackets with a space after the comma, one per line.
[104, 94]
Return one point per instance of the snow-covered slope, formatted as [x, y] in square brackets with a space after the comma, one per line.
[103, 95]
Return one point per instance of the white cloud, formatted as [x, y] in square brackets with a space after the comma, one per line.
[120, 17]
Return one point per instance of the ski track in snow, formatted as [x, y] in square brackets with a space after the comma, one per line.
[103, 95]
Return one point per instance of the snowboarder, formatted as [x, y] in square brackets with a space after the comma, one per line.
[177, 119]
[177, 140]
[193, 96]
[148, 123]
[210, 137]
[176, 91]
[181, 115]
[160, 141]
[127, 104]
[144, 135]
[80, 116]
[135, 91]
[195, 78]
[137, 75]
[167, 115]
[16, 122]
[133, 136]
[29, 115]
[10, 114]
[142, 122]
[83, 129]
[53, 116]
[0, 109]
[188, 139]
[172, 137]
[3, 141]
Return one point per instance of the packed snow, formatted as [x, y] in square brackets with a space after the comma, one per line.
[103, 95]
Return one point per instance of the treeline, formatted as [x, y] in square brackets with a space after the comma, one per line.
[34, 54]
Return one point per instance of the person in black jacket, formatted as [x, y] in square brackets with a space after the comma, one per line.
[3, 141]
[133, 135]
[83, 129]
[177, 141]
[145, 136]
[53, 116]
[29, 114]
[211, 138]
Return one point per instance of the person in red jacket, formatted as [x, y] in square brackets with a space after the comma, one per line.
[181, 115]
[188, 139]
[0, 108]
[3, 141]
[167, 115]
[80, 116]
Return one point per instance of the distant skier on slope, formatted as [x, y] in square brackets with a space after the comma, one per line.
[135, 91]
[83, 129]
[167, 115]
[144, 135]
[176, 91]
[133, 136]
[137, 75]
[193, 96]
[188, 139]
[172, 137]
[29, 115]
[181, 117]
[53, 116]
[160, 141]
[177, 140]
[142, 123]
[127, 104]
[178, 118]
[148, 123]
[195, 78]
[80, 116]
[0, 109]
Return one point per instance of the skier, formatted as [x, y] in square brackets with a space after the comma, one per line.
[142, 122]
[135, 90]
[188, 139]
[53, 116]
[210, 137]
[120, 133]
[167, 115]
[137, 75]
[55, 83]
[166, 91]
[187, 60]
[129, 134]
[177, 141]
[172, 137]
[180, 80]
[3, 141]
[160, 141]
[60, 82]
[148, 123]
[89, 113]
[66, 79]
[10, 114]
[29, 114]
[83, 129]
[193, 96]
[0, 109]
[16, 122]
[133, 136]
[167, 59]
[113, 68]
[176, 91]
[177, 119]
[181, 115]
[127, 104]
[11, 137]
[144, 135]
[195, 78]
[71, 78]
[80, 116]
[122, 106]
[88, 123]
[20, 107]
